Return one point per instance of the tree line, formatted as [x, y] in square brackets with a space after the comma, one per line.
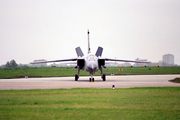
[11, 64]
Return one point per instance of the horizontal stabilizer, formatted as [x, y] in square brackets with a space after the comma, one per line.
[79, 52]
[99, 51]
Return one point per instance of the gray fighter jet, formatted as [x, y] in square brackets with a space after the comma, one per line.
[90, 63]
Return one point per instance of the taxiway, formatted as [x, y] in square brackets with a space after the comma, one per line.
[128, 81]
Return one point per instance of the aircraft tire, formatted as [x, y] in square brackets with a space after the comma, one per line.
[76, 77]
[104, 77]
[93, 80]
[89, 79]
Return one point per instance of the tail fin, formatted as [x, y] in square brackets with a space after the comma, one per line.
[79, 52]
[99, 51]
[89, 51]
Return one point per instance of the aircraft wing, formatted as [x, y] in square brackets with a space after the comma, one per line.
[107, 59]
[64, 60]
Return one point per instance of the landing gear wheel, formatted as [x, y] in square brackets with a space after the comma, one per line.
[91, 80]
[76, 77]
[104, 77]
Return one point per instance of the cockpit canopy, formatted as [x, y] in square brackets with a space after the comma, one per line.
[91, 57]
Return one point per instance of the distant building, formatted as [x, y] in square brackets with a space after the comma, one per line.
[168, 59]
[40, 64]
[140, 60]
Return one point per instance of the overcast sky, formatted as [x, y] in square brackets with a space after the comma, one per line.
[126, 29]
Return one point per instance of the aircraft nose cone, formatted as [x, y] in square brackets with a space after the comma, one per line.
[92, 67]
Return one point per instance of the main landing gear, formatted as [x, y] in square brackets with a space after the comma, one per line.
[76, 77]
[104, 77]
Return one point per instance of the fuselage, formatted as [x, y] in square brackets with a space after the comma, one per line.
[91, 63]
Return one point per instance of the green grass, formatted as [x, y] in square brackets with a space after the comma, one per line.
[144, 70]
[37, 72]
[68, 71]
[177, 80]
[131, 103]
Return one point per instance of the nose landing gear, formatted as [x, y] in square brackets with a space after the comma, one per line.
[91, 79]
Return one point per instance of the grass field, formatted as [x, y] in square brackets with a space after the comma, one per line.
[68, 71]
[131, 103]
[177, 80]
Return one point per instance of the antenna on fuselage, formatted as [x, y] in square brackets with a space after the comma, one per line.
[89, 51]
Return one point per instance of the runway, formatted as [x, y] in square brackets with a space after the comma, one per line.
[127, 81]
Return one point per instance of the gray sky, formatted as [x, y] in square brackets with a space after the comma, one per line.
[126, 29]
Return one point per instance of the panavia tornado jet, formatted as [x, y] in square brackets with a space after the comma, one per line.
[90, 63]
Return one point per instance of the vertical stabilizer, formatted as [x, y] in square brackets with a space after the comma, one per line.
[89, 51]
[79, 52]
[99, 51]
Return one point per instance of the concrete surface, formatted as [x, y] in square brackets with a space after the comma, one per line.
[128, 81]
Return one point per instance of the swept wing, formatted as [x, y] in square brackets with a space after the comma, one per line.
[108, 59]
[63, 60]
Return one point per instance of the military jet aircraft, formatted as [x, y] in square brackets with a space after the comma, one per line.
[90, 63]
